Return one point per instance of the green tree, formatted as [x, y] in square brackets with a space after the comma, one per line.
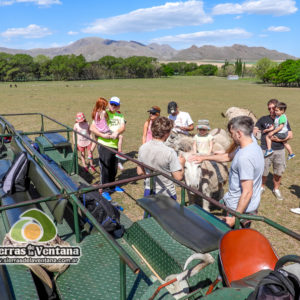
[238, 67]
[204, 70]
[166, 70]
[4, 64]
[21, 68]
[263, 66]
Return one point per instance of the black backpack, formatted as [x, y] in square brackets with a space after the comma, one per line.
[16, 178]
[278, 285]
[104, 212]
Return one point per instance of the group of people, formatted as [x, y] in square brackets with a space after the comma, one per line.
[250, 163]
[249, 168]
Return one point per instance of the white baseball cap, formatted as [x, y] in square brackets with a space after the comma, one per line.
[115, 100]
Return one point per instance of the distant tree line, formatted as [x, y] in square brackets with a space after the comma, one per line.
[285, 74]
[23, 67]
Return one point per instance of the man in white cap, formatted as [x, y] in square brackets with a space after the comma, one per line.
[108, 161]
[183, 122]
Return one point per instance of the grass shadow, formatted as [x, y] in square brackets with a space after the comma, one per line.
[295, 189]
[88, 177]
[127, 173]
[132, 154]
[269, 183]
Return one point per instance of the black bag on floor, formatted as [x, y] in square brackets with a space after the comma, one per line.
[104, 212]
[16, 179]
[278, 285]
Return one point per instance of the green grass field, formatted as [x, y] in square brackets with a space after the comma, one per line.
[203, 98]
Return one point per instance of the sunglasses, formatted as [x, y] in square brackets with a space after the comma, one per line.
[152, 113]
[115, 105]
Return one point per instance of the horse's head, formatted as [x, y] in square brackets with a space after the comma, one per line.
[192, 172]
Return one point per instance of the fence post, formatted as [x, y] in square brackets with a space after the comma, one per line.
[237, 223]
[182, 203]
[75, 155]
[122, 279]
[76, 220]
[42, 120]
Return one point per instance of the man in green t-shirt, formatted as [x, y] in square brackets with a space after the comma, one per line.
[108, 162]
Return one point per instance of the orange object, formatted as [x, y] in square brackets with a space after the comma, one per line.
[212, 286]
[244, 252]
[162, 286]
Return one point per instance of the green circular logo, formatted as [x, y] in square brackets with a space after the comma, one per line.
[33, 226]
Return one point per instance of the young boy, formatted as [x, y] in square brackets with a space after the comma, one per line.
[203, 141]
[279, 129]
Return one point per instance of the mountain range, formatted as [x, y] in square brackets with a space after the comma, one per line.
[93, 48]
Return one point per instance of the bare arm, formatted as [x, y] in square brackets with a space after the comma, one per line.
[270, 128]
[247, 191]
[223, 157]
[276, 130]
[145, 131]
[116, 133]
[140, 170]
[178, 175]
[187, 128]
[94, 130]
[255, 130]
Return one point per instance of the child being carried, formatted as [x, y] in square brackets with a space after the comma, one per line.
[279, 129]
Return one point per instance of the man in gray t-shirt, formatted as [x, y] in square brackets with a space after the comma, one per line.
[157, 155]
[246, 170]
[247, 164]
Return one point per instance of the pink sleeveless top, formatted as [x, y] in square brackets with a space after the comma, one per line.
[101, 123]
[149, 132]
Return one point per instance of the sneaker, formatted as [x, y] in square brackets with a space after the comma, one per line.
[119, 190]
[290, 156]
[120, 166]
[277, 194]
[106, 196]
[268, 152]
[93, 168]
[296, 210]
[120, 157]
[262, 190]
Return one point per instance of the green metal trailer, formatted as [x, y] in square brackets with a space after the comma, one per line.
[174, 254]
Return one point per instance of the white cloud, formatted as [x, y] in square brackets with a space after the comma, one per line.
[263, 35]
[38, 2]
[166, 16]
[204, 36]
[263, 7]
[73, 33]
[279, 29]
[238, 17]
[30, 32]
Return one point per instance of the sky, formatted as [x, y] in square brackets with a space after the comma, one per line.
[273, 24]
